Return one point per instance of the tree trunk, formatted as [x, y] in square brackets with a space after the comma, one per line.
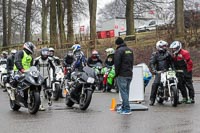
[45, 8]
[28, 21]
[179, 17]
[92, 11]
[9, 22]
[129, 17]
[61, 25]
[70, 30]
[53, 24]
[4, 23]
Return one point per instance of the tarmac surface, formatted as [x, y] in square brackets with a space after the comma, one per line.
[98, 118]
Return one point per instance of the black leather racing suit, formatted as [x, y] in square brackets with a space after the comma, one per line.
[159, 61]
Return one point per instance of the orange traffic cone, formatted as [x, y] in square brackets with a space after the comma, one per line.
[113, 104]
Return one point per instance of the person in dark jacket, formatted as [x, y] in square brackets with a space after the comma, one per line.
[68, 59]
[123, 62]
[10, 65]
[182, 61]
[94, 59]
[159, 61]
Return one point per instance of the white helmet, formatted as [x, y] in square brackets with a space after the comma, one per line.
[176, 46]
[51, 49]
[161, 45]
[110, 51]
[13, 51]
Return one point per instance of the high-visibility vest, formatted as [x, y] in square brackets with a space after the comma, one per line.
[26, 62]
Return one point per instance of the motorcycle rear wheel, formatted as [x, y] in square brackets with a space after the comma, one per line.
[85, 100]
[14, 106]
[174, 96]
[56, 93]
[34, 104]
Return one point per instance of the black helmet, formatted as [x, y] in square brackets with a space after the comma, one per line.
[44, 53]
[29, 47]
[70, 54]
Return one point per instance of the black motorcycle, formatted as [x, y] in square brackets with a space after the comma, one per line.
[26, 93]
[80, 88]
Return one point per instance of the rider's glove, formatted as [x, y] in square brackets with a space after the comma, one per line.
[154, 71]
[22, 70]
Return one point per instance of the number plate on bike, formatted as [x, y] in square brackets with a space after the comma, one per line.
[171, 74]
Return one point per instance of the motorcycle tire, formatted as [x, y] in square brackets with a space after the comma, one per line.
[14, 106]
[56, 93]
[85, 100]
[68, 101]
[35, 102]
[174, 97]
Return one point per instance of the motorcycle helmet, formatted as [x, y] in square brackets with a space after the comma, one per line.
[29, 47]
[4, 54]
[51, 52]
[176, 46]
[109, 51]
[76, 47]
[95, 54]
[13, 51]
[44, 53]
[161, 45]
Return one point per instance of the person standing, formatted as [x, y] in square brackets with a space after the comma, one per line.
[123, 62]
[182, 61]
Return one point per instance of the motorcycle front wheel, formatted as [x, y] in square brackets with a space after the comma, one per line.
[68, 101]
[85, 99]
[14, 106]
[34, 104]
[174, 96]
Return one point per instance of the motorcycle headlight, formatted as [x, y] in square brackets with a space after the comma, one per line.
[35, 74]
[90, 80]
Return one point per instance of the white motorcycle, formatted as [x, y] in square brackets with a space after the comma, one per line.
[3, 75]
[56, 85]
[167, 90]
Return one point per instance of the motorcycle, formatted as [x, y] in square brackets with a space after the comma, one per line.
[56, 85]
[27, 91]
[97, 68]
[80, 88]
[3, 75]
[167, 90]
[109, 81]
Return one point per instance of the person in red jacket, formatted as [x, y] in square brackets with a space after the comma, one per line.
[182, 61]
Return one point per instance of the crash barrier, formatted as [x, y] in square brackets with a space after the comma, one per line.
[136, 92]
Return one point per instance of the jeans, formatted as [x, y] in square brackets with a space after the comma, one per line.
[123, 84]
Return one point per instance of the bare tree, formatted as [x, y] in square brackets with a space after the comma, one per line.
[60, 11]
[129, 17]
[44, 14]
[92, 12]
[179, 17]
[4, 23]
[53, 23]
[9, 22]
[70, 30]
[28, 21]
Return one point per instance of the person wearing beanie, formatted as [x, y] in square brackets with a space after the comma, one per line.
[123, 61]
[119, 41]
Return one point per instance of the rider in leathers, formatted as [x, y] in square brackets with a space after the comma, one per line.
[159, 61]
[182, 61]
[44, 64]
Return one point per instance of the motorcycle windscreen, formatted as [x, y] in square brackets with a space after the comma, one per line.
[89, 71]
